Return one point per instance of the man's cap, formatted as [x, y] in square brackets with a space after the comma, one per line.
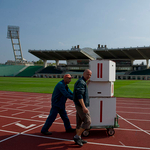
[67, 76]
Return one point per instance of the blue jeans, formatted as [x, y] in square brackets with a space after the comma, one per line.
[52, 116]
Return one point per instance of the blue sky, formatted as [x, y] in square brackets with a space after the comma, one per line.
[61, 24]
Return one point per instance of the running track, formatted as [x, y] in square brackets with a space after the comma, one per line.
[23, 114]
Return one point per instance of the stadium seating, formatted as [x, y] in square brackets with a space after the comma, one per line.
[29, 71]
[141, 72]
[51, 70]
[10, 70]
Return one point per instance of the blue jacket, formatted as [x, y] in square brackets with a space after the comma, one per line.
[60, 94]
[81, 92]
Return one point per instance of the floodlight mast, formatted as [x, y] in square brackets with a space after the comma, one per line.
[13, 33]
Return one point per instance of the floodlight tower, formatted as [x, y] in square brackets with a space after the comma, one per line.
[13, 33]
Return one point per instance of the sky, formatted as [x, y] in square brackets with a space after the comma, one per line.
[61, 24]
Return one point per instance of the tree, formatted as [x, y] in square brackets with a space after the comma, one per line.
[39, 62]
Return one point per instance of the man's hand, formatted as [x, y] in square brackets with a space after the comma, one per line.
[85, 110]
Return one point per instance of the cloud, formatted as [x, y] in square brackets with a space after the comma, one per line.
[139, 38]
[61, 43]
[121, 19]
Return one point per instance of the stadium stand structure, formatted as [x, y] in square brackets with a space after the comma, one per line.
[29, 71]
[141, 72]
[10, 70]
[51, 70]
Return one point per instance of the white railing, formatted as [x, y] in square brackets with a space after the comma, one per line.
[41, 75]
[118, 77]
[132, 77]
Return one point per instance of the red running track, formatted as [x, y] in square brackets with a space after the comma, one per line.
[23, 114]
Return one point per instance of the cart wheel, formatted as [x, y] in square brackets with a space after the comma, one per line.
[110, 131]
[86, 133]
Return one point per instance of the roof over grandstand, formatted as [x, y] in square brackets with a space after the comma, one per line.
[133, 53]
[64, 54]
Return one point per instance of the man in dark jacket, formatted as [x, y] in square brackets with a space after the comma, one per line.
[81, 100]
[60, 94]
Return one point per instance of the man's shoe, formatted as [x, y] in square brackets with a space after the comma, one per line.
[70, 130]
[78, 141]
[83, 142]
[47, 133]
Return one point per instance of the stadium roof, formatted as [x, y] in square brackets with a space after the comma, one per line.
[134, 53]
[61, 54]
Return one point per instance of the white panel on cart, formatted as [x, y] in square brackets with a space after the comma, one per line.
[102, 70]
[101, 89]
[102, 111]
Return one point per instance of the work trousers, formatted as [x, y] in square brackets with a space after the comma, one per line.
[83, 119]
[52, 116]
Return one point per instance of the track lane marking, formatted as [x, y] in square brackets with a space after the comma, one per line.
[134, 125]
[10, 123]
[18, 113]
[121, 143]
[62, 123]
[93, 143]
[37, 108]
[134, 112]
[22, 106]
[10, 137]
[3, 110]
[42, 124]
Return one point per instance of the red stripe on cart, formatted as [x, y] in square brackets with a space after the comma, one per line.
[99, 70]
[101, 110]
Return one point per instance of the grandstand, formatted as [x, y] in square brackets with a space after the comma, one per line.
[10, 70]
[29, 71]
[78, 60]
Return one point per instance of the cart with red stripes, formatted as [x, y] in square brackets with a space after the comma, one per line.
[101, 91]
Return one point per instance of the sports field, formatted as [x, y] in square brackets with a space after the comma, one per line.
[122, 88]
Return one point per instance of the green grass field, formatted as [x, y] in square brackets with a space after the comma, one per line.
[123, 88]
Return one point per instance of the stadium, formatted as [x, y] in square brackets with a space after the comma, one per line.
[77, 60]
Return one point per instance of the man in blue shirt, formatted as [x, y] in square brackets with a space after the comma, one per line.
[60, 94]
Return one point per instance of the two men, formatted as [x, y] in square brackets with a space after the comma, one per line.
[81, 100]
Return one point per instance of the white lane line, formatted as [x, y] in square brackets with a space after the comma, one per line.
[6, 105]
[92, 143]
[62, 123]
[22, 106]
[3, 110]
[139, 120]
[37, 115]
[42, 124]
[18, 113]
[11, 123]
[40, 121]
[25, 102]
[132, 107]
[121, 143]
[134, 112]
[9, 131]
[134, 125]
[134, 130]
[133, 104]
[37, 108]
[10, 137]
[25, 110]
[39, 103]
